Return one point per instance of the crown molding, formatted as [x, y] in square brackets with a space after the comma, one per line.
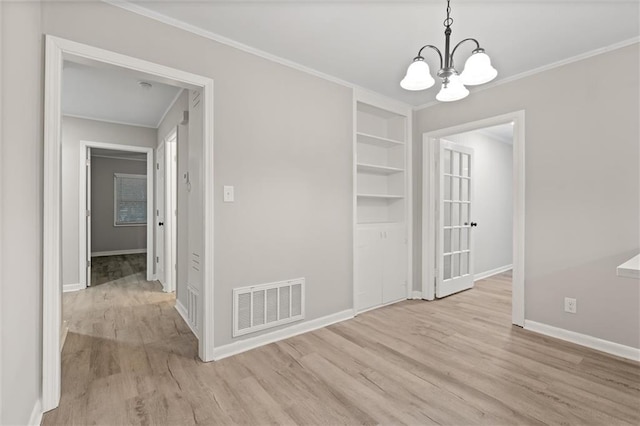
[543, 68]
[176, 23]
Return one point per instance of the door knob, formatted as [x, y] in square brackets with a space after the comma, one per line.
[474, 224]
[160, 223]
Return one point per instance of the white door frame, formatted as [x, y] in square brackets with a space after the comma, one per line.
[171, 205]
[56, 51]
[429, 205]
[83, 201]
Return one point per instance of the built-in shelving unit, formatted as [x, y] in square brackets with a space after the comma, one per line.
[382, 149]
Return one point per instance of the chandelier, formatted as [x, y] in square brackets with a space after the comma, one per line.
[477, 69]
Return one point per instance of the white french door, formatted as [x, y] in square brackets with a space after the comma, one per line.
[160, 216]
[87, 215]
[454, 226]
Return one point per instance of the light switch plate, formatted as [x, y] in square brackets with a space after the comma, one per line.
[228, 194]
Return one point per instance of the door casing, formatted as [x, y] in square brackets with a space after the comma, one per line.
[83, 231]
[56, 51]
[429, 205]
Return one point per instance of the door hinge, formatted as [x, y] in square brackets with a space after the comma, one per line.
[157, 212]
[88, 162]
[87, 213]
[88, 264]
[157, 166]
[157, 259]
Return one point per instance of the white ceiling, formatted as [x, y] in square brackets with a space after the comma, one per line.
[370, 43]
[114, 94]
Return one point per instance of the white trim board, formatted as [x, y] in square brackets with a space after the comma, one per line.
[543, 68]
[182, 311]
[67, 288]
[596, 343]
[244, 345]
[491, 272]
[117, 252]
[36, 414]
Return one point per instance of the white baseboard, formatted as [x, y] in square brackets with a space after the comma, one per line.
[596, 343]
[492, 272]
[72, 287]
[416, 295]
[183, 313]
[36, 414]
[264, 339]
[117, 252]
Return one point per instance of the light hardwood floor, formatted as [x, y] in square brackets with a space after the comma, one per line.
[130, 359]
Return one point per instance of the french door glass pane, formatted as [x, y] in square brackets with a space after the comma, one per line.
[455, 239]
[447, 161]
[464, 213]
[455, 214]
[447, 214]
[446, 269]
[447, 188]
[464, 263]
[465, 165]
[446, 240]
[456, 266]
[455, 168]
[464, 238]
[465, 189]
[455, 189]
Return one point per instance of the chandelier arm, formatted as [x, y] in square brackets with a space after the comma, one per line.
[457, 45]
[431, 47]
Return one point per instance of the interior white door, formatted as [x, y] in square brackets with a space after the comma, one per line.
[454, 226]
[160, 215]
[87, 215]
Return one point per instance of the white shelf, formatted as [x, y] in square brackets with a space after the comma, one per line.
[378, 170]
[377, 140]
[381, 196]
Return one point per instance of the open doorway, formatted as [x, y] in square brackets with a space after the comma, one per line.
[192, 198]
[473, 208]
[115, 203]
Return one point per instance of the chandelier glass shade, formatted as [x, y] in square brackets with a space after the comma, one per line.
[477, 69]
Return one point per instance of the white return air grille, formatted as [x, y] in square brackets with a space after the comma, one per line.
[267, 305]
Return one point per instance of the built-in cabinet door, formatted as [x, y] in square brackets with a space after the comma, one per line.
[381, 253]
[368, 268]
[394, 261]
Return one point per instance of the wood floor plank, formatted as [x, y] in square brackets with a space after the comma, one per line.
[129, 358]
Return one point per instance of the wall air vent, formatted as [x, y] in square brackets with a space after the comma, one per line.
[264, 306]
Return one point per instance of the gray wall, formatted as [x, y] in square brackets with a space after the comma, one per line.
[105, 236]
[492, 205]
[21, 180]
[75, 130]
[283, 138]
[171, 120]
[582, 187]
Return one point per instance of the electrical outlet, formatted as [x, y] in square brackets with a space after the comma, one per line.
[570, 305]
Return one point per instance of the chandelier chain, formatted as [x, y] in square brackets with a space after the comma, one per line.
[449, 21]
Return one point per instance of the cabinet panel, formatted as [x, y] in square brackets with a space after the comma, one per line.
[369, 270]
[394, 270]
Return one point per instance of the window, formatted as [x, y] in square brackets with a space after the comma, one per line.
[130, 200]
